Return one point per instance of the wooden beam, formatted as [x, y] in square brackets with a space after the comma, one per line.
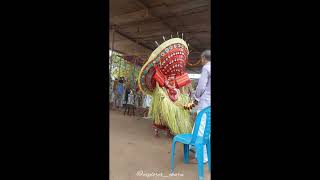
[132, 40]
[134, 23]
[130, 17]
[145, 6]
[121, 24]
[146, 15]
[190, 5]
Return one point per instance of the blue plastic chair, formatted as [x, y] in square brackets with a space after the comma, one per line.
[197, 141]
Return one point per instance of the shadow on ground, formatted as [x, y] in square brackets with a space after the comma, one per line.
[135, 153]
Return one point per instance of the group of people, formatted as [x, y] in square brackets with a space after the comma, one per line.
[123, 96]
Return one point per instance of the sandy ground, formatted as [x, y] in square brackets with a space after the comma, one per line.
[134, 151]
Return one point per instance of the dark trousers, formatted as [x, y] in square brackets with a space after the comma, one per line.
[128, 108]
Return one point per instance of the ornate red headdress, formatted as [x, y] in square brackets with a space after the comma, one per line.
[166, 65]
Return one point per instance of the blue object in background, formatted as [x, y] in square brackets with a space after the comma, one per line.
[120, 88]
[197, 141]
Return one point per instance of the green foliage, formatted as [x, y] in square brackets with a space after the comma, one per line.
[122, 68]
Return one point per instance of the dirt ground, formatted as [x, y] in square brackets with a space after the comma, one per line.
[136, 154]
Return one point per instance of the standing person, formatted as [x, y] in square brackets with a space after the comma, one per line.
[126, 91]
[130, 102]
[114, 91]
[146, 105]
[120, 92]
[111, 95]
[136, 99]
[137, 95]
[203, 95]
[126, 95]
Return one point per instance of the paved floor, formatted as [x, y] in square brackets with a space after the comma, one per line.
[135, 153]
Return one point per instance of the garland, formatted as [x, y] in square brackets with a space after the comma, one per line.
[195, 64]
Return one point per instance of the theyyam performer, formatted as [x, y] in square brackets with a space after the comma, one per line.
[162, 77]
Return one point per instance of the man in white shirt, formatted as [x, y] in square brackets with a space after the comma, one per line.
[203, 95]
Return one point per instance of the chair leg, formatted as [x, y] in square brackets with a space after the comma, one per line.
[199, 150]
[209, 155]
[172, 155]
[186, 153]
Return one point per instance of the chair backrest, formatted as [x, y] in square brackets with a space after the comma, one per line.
[206, 111]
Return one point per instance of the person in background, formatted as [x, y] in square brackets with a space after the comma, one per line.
[114, 91]
[126, 95]
[126, 91]
[111, 94]
[130, 103]
[146, 105]
[203, 96]
[120, 93]
[136, 98]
